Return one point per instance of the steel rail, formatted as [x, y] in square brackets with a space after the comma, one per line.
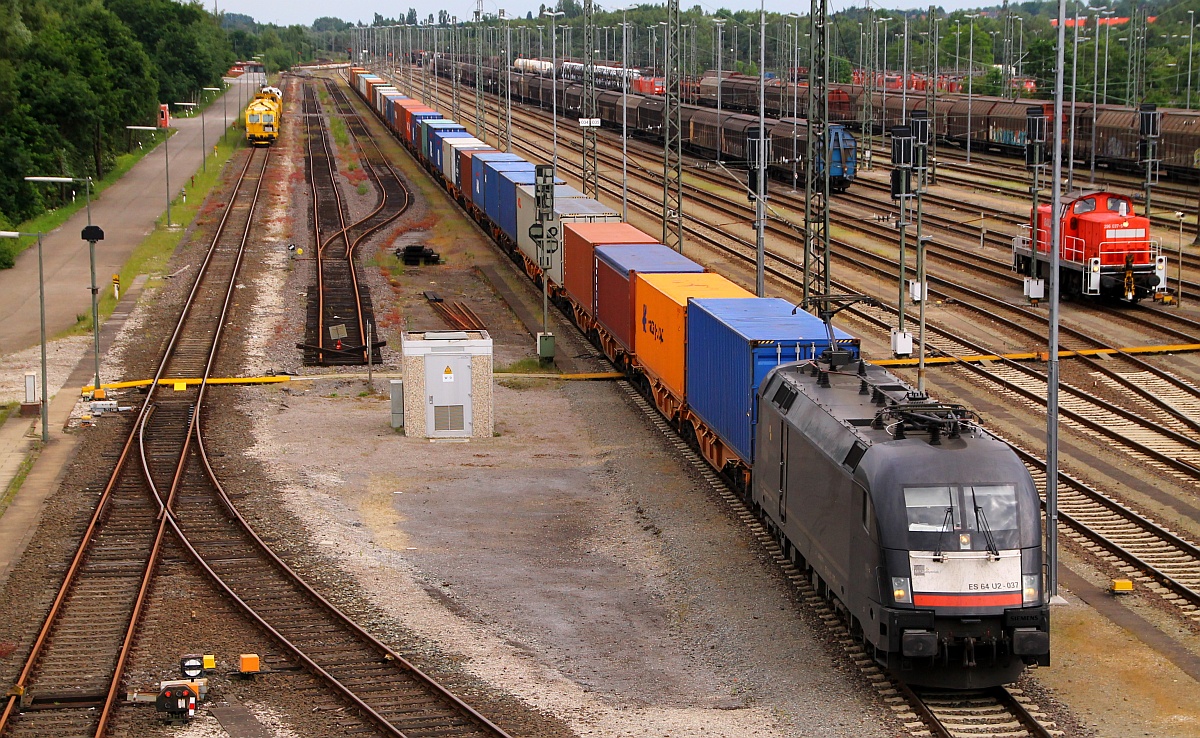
[74, 568]
[310, 96]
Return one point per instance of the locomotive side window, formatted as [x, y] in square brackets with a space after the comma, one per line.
[1084, 206]
[928, 508]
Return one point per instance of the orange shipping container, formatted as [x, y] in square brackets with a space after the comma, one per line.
[579, 255]
[660, 320]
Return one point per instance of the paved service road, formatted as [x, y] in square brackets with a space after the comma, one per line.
[126, 211]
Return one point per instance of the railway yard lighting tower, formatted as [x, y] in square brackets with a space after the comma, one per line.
[554, 81]
[1052, 364]
[91, 234]
[970, 81]
[42, 302]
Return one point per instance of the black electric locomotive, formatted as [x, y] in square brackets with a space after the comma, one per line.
[925, 528]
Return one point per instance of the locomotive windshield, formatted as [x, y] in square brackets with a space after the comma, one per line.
[937, 511]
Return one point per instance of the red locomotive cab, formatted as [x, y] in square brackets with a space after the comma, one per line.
[1103, 226]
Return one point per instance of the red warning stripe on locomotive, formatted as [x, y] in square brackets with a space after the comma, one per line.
[999, 599]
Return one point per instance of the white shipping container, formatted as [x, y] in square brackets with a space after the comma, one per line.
[570, 206]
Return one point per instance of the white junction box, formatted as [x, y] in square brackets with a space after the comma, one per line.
[1035, 289]
[447, 384]
[902, 343]
[915, 292]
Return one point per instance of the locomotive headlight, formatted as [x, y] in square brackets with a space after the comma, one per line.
[1031, 585]
[902, 590]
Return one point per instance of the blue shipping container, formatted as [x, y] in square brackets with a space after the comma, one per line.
[733, 342]
[414, 133]
[436, 140]
[492, 184]
[435, 129]
[477, 192]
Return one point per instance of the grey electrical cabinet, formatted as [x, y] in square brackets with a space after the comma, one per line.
[448, 384]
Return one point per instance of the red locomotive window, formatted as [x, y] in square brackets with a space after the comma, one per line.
[1084, 206]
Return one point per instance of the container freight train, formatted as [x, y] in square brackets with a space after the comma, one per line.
[1107, 249]
[924, 529]
[705, 133]
[263, 116]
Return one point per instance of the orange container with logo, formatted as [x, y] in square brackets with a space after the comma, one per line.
[660, 304]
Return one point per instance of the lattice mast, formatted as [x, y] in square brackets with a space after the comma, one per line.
[672, 218]
[817, 161]
[480, 129]
[587, 110]
[455, 52]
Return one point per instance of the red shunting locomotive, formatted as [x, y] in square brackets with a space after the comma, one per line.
[1106, 249]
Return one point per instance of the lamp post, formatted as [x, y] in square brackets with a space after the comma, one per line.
[795, 84]
[720, 24]
[1021, 49]
[42, 302]
[970, 81]
[625, 116]
[1074, 78]
[203, 144]
[91, 234]
[224, 111]
[166, 162]
[1191, 29]
[554, 82]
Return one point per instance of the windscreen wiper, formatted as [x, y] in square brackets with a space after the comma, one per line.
[937, 552]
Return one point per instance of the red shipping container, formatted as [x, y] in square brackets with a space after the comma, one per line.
[464, 169]
[615, 270]
[579, 258]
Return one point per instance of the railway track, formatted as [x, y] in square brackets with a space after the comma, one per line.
[992, 713]
[1160, 554]
[340, 313]
[988, 713]
[71, 679]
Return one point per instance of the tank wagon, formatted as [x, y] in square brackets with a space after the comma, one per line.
[924, 529]
[998, 124]
[1106, 249]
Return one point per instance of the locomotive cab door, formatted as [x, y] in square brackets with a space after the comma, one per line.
[783, 457]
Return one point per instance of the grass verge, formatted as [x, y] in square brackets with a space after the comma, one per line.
[152, 254]
[6, 410]
[528, 365]
[18, 479]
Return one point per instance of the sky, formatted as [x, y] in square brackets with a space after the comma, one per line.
[304, 12]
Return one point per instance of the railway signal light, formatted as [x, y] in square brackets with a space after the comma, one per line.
[901, 183]
[177, 701]
[902, 146]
